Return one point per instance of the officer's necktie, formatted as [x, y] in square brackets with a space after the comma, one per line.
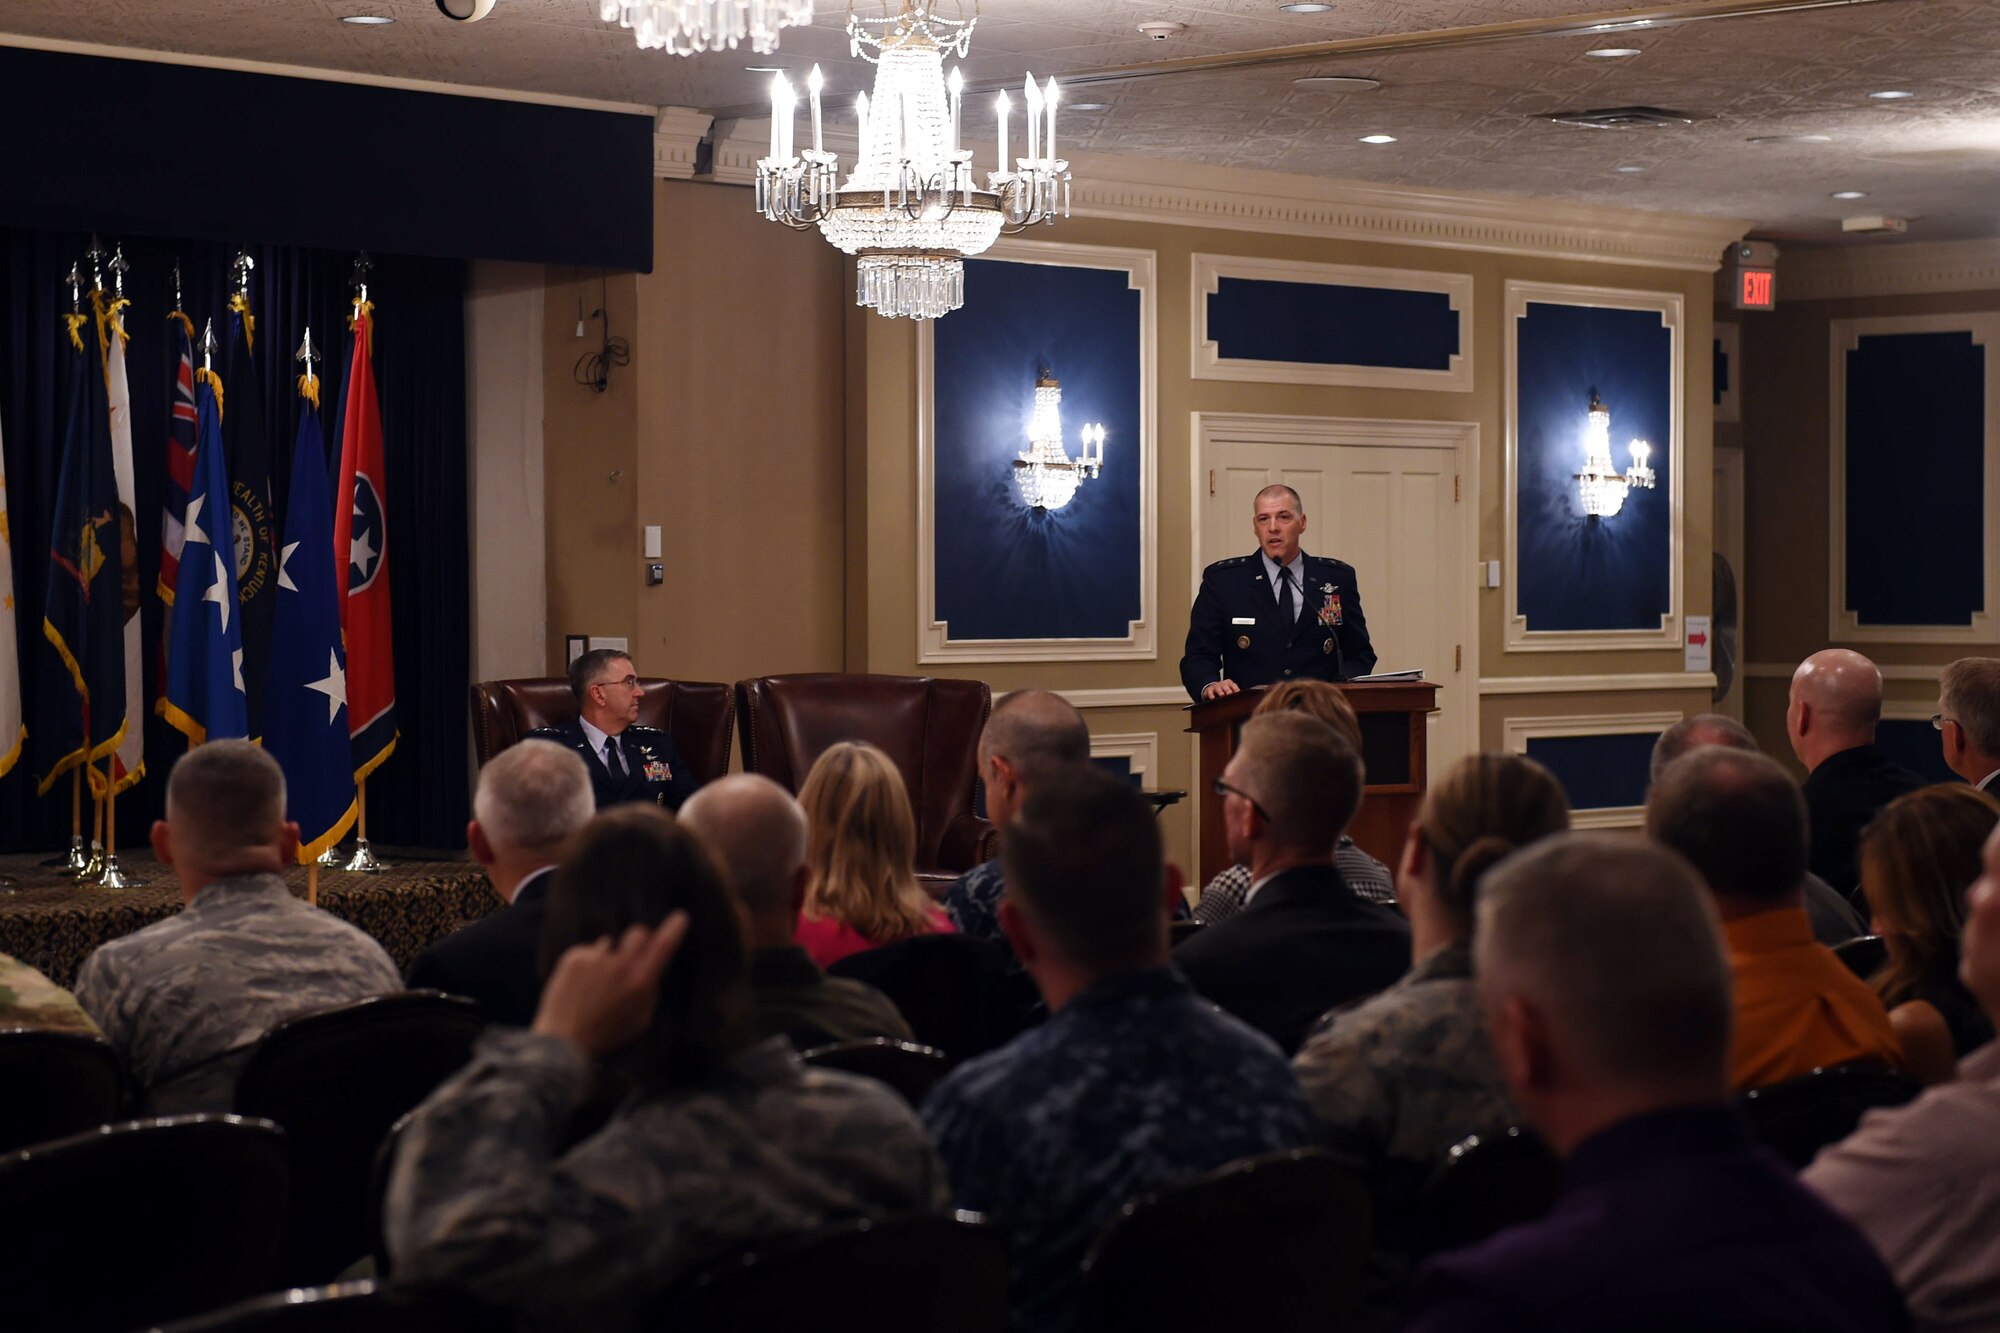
[1288, 610]
[614, 756]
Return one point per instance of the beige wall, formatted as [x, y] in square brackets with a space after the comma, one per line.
[1787, 471]
[726, 430]
[503, 352]
[883, 498]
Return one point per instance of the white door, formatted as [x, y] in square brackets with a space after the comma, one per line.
[1389, 499]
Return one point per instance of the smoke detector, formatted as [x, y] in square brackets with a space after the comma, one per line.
[1621, 118]
[1161, 29]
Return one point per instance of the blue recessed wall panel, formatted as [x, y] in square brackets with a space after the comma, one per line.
[1577, 573]
[1914, 744]
[1916, 447]
[1311, 323]
[1004, 571]
[1598, 772]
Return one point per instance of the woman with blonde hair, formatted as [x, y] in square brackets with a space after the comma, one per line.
[861, 885]
[1917, 859]
[1225, 895]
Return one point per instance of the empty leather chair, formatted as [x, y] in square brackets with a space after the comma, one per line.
[928, 727]
[337, 1081]
[140, 1222]
[960, 995]
[57, 1084]
[696, 712]
[910, 1069]
[923, 1274]
[1273, 1243]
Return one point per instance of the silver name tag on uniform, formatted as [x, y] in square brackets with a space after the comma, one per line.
[1244, 620]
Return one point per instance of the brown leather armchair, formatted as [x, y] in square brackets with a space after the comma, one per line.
[929, 727]
[697, 712]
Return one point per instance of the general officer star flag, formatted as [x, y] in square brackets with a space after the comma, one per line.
[305, 705]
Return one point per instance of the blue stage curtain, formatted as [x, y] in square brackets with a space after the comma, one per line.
[419, 798]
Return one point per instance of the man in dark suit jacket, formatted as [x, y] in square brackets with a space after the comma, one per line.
[627, 762]
[1836, 702]
[1277, 615]
[532, 798]
[1304, 942]
[1606, 994]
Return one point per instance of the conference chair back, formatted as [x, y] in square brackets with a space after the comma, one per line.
[1864, 955]
[1798, 1117]
[140, 1222]
[57, 1084]
[1486, 1183]
[919, 1274]
[343, 1307]
[698, 713]
[337, 1081]
[910, 1069]
[960, 995]
[1273, 1243]
[929, 728]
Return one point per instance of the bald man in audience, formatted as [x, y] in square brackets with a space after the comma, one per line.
[1834, 919]
[1030, 734]
[1836, 703]
[1304, 941]
[531, 800]
[1603, 982]
[757, 832]
[1968, 720]
[185, 999]
[1739, 819]
[1923, 1181]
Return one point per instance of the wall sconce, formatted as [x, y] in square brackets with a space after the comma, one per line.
[1601, 489]
[1046, 474]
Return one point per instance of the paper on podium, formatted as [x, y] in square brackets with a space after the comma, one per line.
[1415, 673]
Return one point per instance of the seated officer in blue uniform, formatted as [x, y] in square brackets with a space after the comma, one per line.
[1279, 614]
[627, 762]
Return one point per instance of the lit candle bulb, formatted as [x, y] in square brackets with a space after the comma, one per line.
[957, 85]
[785, 106]
[813, 85]
[1050, 96]
[1033, 97]
[776, 137]
[861, 124]
[1000, 109]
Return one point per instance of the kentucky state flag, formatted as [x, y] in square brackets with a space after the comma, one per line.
[251, 527]
[82, 714]
[305, 702]
[360, 547]
[205, 696]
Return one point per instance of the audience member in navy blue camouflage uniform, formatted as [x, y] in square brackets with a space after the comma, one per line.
[1134, 1084]
[1031, 733]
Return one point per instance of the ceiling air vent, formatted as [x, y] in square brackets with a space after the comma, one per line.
[1621, 118]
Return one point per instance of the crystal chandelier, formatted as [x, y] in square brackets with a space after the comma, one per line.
[1601, 489]
[685, 27]
[1047, 476]
[912, 208]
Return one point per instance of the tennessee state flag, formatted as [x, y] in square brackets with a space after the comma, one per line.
[361, 559]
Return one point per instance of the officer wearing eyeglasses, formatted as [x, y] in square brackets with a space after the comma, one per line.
[627, 762]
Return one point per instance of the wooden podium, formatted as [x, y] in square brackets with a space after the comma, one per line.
[1392, 714]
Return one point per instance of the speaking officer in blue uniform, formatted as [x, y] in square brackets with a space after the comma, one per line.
[1277, 615]
[627, 762]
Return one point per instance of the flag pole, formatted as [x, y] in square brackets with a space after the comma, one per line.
[76, 863]
[363, 862]
[312, 883]
[95, 865]
[113, 877]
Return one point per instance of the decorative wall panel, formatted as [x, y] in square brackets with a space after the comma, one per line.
[1602, 761]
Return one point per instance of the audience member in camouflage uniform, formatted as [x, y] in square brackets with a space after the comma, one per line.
[722, 1142]
[185, 999]
[1031, 734]
[30, 1000]
[757, 832]
[1135, 1083]
[1403, 1076]
[1225, 895]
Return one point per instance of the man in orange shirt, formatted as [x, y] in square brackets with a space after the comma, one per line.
[1742, 822]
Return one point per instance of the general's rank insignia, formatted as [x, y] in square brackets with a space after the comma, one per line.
[1243, 641]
